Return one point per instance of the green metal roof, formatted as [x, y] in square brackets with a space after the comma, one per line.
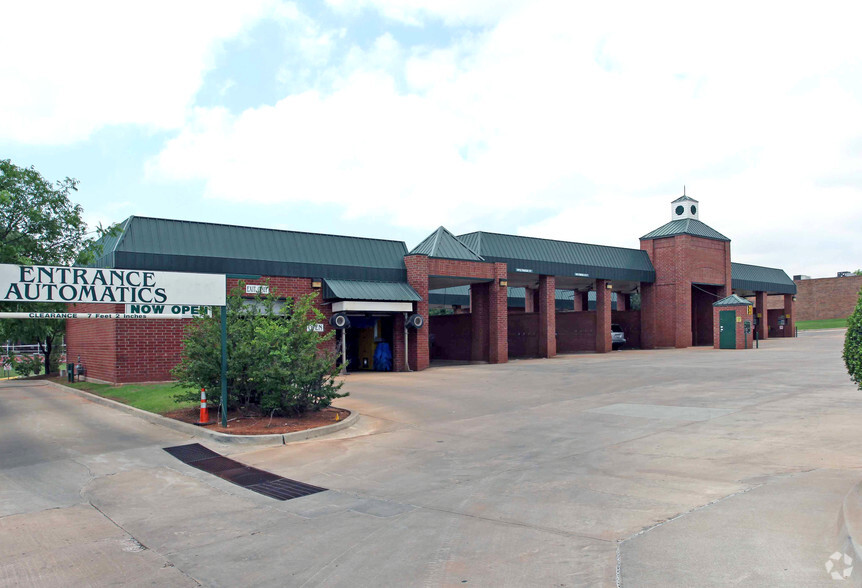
[687, 226]
[684, 198]
[732, 300]
[443, 244]
[360, 290]
[561, 258]
[188, 246]
[756, 278]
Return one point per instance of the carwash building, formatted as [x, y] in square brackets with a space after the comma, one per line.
[481, 296]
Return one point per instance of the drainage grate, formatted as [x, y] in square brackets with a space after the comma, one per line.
[198, 456]
[191, 453]
[284, 489]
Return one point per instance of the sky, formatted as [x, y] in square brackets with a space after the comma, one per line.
[388, 118]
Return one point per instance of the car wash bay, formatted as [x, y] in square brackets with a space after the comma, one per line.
[560, 297]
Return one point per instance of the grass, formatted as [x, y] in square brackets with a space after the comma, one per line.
[821, 324]
[158, 398]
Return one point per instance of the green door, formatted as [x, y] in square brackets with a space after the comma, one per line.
[727, 326]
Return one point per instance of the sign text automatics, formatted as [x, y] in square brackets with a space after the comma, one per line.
[36, 283]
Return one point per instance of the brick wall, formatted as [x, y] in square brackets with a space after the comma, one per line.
[576, 331]
[95, 340]
[118, 350]
[451, 337]
[523, 334]
[823, 298]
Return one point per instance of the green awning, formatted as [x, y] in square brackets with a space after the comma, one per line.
[756, 278]
[361, 290]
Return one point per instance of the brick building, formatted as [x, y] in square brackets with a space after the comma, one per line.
[499, 296]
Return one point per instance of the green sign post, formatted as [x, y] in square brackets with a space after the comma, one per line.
[224, 366]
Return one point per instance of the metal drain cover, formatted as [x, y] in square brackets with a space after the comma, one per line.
[198, 456]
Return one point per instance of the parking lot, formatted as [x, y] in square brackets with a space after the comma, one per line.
[634, 468]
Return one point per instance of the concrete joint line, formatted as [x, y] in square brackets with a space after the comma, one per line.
[138, 543]
[670, 520]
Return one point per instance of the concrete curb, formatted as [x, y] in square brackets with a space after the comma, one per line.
[195, 431]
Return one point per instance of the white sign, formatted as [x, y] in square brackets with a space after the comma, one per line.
[39, 283]
[317, 327]
[183, 310]
[86, 315]
[256, 289]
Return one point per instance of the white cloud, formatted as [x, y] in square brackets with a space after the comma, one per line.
[416, 12]
[71, 68]
[595, 113]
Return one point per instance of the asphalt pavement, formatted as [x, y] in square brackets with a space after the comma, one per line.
[693, 467]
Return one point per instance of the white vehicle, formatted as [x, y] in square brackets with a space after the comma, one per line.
[618, 337]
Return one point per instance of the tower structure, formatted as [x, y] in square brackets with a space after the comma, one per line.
[692, 265]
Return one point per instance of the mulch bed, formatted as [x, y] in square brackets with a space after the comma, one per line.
[250, 422]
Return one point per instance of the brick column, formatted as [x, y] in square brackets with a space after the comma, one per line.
[761, 306]
[623, 301]
[479, 304]
[398, 359]
[585, 300]
[648, 311]
[529, 300]
[417, 277]
[498, 316]
[790, 326]
[603, 317]
[547, 316]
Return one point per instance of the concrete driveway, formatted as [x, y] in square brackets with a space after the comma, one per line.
[636, 468]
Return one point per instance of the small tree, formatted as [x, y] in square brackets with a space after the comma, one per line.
[853, 344]
[274, 358]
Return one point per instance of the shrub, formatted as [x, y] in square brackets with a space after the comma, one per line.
[28, 365]
[853, 344]
[274, 359]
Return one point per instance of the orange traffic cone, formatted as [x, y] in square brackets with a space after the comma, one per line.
[205, 415]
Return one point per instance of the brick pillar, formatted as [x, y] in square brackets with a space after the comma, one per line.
[529, 299]
[417, 277]
[648, 311]
[623, 301]
[479, 303]
[603, 317]
[682, 315]
[761, 304]
[498, 316]
[398, 360]
[547, 316]
[585, 300]
[790, 326]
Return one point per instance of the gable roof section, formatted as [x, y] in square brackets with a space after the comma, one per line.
[757, 278]
[687, 226]
[360, 290]
[562, 258]
[732, 300]
[684, 198]
[190, 246]
[444, 245]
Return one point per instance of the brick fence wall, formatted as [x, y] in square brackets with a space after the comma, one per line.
[823, 298]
